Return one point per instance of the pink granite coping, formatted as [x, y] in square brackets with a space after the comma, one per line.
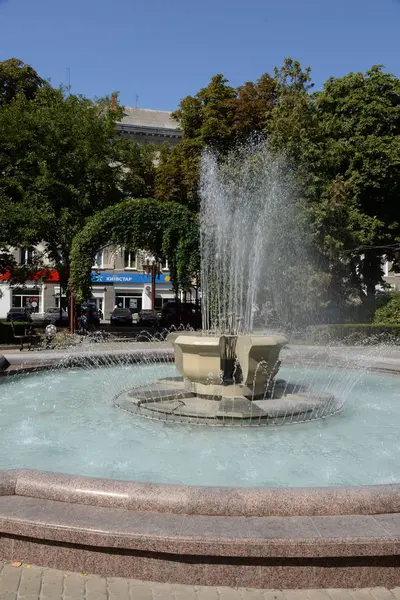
[198, 500]
[285, 537]
[250, 537]
[290, 551]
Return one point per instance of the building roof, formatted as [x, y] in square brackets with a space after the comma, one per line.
[145, 117]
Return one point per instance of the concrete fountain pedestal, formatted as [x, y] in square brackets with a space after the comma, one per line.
[226, 380]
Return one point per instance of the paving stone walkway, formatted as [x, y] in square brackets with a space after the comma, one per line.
[27, 582]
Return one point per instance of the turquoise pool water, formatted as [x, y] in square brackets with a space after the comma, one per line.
[65, 420]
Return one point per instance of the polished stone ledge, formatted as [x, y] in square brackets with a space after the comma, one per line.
[197, 500]
[293, 538]
[346, 536]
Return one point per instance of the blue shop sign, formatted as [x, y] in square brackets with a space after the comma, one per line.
[100, 277]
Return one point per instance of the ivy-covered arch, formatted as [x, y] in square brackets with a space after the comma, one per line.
[164, 229]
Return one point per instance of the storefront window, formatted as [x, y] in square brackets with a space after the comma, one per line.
[99, 305]
[134, 303]
[26, 298]
[64, 301]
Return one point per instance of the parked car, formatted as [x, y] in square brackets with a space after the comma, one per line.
[121, 316]
[19, 314]
[149, 318]
[175, 313]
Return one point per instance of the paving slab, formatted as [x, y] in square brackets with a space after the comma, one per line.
[30, 582]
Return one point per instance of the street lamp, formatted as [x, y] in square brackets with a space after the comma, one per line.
[153, 268]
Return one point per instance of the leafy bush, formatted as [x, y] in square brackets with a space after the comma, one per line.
[355, 334]
[389, 313]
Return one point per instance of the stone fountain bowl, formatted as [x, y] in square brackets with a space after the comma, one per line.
[227, 381]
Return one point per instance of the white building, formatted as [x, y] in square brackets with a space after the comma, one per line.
[118, 277]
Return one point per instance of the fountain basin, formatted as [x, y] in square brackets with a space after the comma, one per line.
[337, 536]
[38, 409]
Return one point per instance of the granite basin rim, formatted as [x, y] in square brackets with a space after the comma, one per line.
[201, 500]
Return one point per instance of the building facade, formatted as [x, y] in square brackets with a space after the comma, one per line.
[119, 279]
[118, 276]
[145, 126]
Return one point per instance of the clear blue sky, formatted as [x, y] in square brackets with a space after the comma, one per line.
[163, 50]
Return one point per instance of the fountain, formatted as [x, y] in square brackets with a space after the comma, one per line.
[88, 487]
[228, 373]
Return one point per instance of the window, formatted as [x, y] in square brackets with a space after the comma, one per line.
[64, 300]
[98, 260]
[26, 256]
[24, 298]
[129, 259]
[134, 303]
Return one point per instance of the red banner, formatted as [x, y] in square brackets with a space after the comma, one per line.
[45, 274]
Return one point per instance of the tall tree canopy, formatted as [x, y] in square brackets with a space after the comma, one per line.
[18, 78]
[217, 117]
[354, 165]
[61, 162]
[59, 165]
[292, 121]
[343, 141]
[164, 229]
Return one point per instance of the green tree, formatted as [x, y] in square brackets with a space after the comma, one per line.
[177, 175]
[217, 117]
[164, 229]
[209, 114]
[15, 78]
[18, 78]
[138, 168]
[292, 121]
[345, 144]
[60, 163]
[389, 313]
[357, 145]
[253, 105]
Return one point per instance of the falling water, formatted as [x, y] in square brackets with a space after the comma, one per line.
[247, 211]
